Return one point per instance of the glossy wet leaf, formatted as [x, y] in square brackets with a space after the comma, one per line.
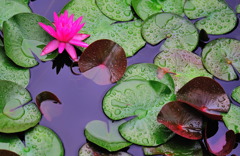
[174, 147]
[104, 61]
[146, 71]
[127, 35]
[9, 71]
[118, 10]
[219, 19]
[23, 36]
[142, 99]
[231, 119]
[14, 116]
[185, 64]
[206, 95]
[7, 153]
[178, 32]
[236, 94]
[220, 56]
[106, 135]
[49, 105]
[9, 8]
[90, 149]
[182, 120]
[146, 8]
[39, 140]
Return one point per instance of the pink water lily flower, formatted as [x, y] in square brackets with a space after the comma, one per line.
[66, 35]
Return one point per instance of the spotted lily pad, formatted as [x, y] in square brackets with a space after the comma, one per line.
[231, 119]
[13, 116]
[146, 71]
[142, 99]
[185, 64]
[38, 141]
[220, 55]
[206, 95]
[9, 71]
[10, 8]
[23, 36]
[104, 61]
[219, 18]
[146, 8]
[127, 35]
[178, 32]
[118, 10]
[106, 136]
[236, 94]
[89, 149]
[174, 147]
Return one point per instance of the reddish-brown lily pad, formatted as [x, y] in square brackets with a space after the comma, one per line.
[181, 119]
[7, 153]
[104, 61]
[206, 95]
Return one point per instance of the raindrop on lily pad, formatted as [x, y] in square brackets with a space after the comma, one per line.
[106, 135]
[236, 94]
[23, 36]
[206, 95]
[221, 56]
[185, 64]
[15, 116]
[104, 61]
[143, 100]
[179, 32]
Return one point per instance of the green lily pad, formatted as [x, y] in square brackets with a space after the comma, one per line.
[127, 35]
[238, 8]
[185, 64]
[1, 43]
[118, 10]
[13, 116]
[9, 71]
[231, 119]
[179, 32]
[130, 99]
[106, 136]
[9, 8]
[38, 141]
[146, 71]
[218, 57]
[146, 8]
[175, 147]
[23, 36]
[219, 18]
[236, 94]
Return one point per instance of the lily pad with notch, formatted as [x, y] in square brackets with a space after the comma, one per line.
[23, 37]
[39, 140]
[236, 94]
[106, 135]
[129, 99]
[221, 56]
[174, 147]
[127, 34]
[205, 95]
[104, 61]
[9, 71]
[219, 17]
[178, 31]
[15, 116]
[186, 65]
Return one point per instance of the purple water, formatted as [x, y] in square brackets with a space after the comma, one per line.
[81, 98]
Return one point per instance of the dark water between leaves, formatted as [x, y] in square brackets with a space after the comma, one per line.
[80, 97]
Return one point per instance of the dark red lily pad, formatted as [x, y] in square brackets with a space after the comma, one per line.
[7, 153]
[104, 61]
[181, 119]
[49, 105]
[206, 95]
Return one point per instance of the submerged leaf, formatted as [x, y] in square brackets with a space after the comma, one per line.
[206, 95]
[104, 61]
[236, 94]
[106, 136]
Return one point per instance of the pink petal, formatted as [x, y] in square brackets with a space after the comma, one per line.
[61, 47]
[78, 43]
[55, 16]
[48, 29]
[51, 46]
[80, 37]
[71, 51]
[65, 14]
[78, 21]
[71, 18]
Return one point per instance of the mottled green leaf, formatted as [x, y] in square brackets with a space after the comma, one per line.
[236, 94]
[238, 8]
